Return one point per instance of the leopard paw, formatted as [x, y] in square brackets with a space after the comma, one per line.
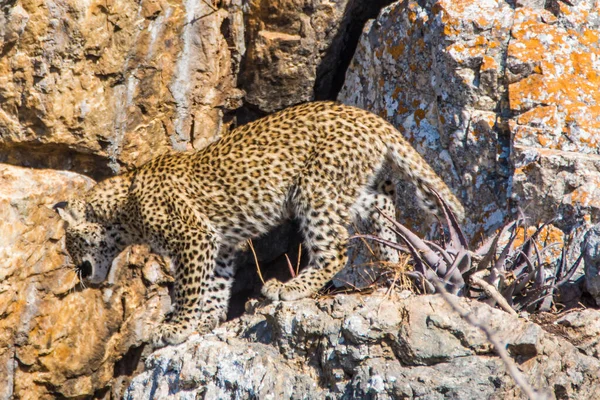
[271, 289]
[207, 323]
[290, 292]
[275, 290]
[170, 334]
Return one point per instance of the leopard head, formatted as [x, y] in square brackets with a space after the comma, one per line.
[91, 245]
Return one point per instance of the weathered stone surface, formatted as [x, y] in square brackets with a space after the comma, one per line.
[223, 369]
[295, 49]
[554, 94]
[92, 86]
[582, 328]
[432, 70]
[591, 258]
[501, 100]
[57, 337]
[356, 346]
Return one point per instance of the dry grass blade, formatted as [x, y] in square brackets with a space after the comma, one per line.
[389, 243]
[256, 261]
[397, 246]
[299, 258]
[419, 277]
[290, 267]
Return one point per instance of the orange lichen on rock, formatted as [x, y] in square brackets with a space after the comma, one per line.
[488, 63]
[477, 55]
[527, 93]
[563, 73]
[549, 241]
[542, 115]
[590, 37]
[419, 115]
[397, 50]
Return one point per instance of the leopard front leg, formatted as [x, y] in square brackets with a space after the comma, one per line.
[218, 290]
[193, 250]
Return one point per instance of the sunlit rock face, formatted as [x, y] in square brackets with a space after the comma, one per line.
[500, 97]
[57, 337]
[94, 86]
[502, 100]
[297, 51]
[374, 346]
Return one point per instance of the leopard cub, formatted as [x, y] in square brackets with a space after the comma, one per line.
[320, 162]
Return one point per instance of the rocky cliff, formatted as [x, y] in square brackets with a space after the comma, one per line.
[373, 347]
[501, 97]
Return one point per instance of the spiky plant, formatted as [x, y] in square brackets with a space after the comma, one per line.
[516, 276]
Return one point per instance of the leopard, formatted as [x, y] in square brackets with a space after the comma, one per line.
[323, 163]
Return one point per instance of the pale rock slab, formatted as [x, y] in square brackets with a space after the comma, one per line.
[366, 346]
[57, 337]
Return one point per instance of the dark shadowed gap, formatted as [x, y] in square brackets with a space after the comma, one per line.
[331, 72]
[55, 156]
[129, 363]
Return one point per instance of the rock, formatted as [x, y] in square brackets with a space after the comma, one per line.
[58, 338]
[13, 26]
[553, 94]
[95, 86]
[215, 369]
[296, 49]
[582, 328]
[591, 258]
[365, 346]
[535, 4]
[415, 66]
[480, 87]
[500, 97]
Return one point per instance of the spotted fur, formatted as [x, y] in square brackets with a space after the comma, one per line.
[321, 162]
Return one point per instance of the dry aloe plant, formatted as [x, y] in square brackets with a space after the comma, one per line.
[516, 277]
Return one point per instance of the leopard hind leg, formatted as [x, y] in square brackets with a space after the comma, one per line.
[324, 220]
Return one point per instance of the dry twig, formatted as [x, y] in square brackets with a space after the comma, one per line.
[492, 292]
[290, 267]
[512, 368]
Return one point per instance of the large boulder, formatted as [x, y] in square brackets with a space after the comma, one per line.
[297, 50]
[501, 100]
[57, 337]
[373, 346]
[93, 86]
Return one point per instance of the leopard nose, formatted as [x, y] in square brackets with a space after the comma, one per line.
[86, 269]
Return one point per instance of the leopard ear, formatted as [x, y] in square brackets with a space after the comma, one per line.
[71, 212]
[62, 210]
